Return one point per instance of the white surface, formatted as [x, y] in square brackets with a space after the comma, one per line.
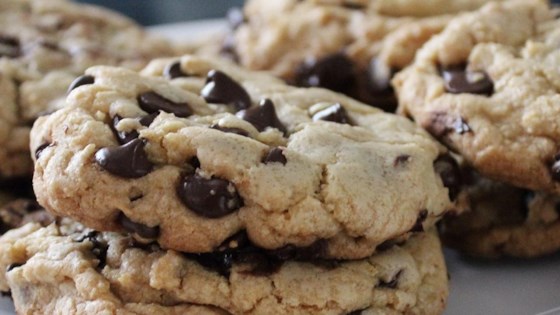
[508, 287]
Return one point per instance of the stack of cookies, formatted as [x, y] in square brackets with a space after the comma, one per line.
[484, 83]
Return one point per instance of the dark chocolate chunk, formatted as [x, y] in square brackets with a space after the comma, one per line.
[81, 80]
[459, 80]
[237, 131]
[235, 18]
[317, 250]
[220, 88]
[262, 116]
[173, 70]
[125, 137]
[98, 249]
[13, 266]
[194, 162]
[334, 72]
[147, 120]
[450, 174]
[40, 150]
[275, 155]
[335, 113]
[391, 284]
[128, 160]
[141, 230]
[152, 102]
[401, 159]
[211, 198]
[9, 47]
[418, 227]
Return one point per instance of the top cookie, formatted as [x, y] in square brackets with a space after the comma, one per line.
[44, 45]
[488, 87]
[190, 161]
[353, 47]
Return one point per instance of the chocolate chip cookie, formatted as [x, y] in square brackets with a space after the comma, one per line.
[52, 271]
[353, 47]
[19, 212]
[208, 150]
[44, 45]
[488, 86]
[503, 220]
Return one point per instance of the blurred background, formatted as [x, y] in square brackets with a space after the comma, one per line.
[150, 12]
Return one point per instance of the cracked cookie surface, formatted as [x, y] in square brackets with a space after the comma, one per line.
[55, 270]
[503, 220]
[488, 87]
[44, 45]
[353, 47]
[243, 151]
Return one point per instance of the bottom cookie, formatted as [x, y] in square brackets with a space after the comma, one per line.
[60, 269]
[503, 220]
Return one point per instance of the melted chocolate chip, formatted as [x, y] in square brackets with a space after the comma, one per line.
[335, 113]
[147, 120]
[450, 174]
[275, 155]
[79, 81]
[152, 102]
[315, 251]
[391, 284]
[173, 70]
[237, 131]
[401, 159]
[334, 72]
[13, 266]
[141, 230]
[441, 124]
[220, 88]
[418, 227]
[124, 136]
[210, 198]
[40, 149]
[98, 249]
[374, 86]
[262, 116]
[128, 160]
[9, 47]
[235, 18]
[459, 80]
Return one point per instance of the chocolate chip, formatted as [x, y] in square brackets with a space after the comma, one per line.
[418, 227]
[401, 159]
[235, 18]
[334, 72]
[127, 136]
[441, 124]
[459, 80]
[173, 70]
[81, 80]
[555, 168]
[356, 312]
[152, 102]
[460, 126]
[147, 120]
[450, 174]
[40, 149]
[315, 251]
[13, 266]
[275, 155]
[141, 230]
[353, 6]
[391, 284]
[335, 113]
[237, 131]
[98, 249]
[227, 50]
[220, 88]
[128, 160]
[9, 47]
[194, 162]
[388, 244]
[210, 198]
[262, 116]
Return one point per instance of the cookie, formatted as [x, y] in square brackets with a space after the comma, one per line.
[352, 47]
[492, 97]
[503, 220]
[193, 160]
[44, 45]
[19, 212]
[52, 272]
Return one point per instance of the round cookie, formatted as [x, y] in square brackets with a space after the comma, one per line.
[89, 272]
[194, 160]
[352, 47]
[503, 220]
[44, 45]
[492, 98]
